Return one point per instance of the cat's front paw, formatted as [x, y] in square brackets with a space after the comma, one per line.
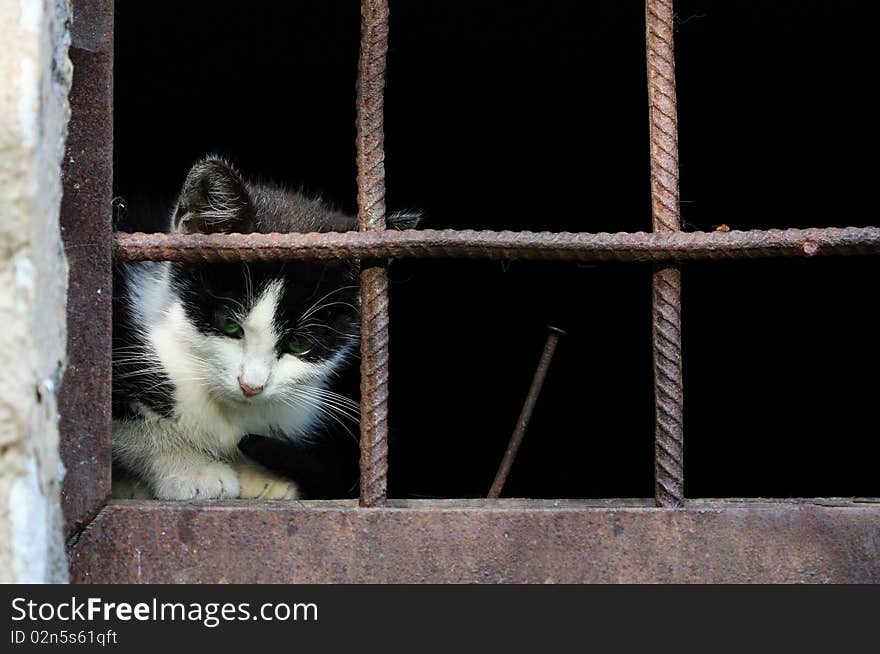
[259, 483]
[209, 482]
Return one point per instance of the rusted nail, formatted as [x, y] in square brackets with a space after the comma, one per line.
[525, 415]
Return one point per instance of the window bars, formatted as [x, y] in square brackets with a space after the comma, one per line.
[666, 246]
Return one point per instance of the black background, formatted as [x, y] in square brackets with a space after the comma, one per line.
[533, 115]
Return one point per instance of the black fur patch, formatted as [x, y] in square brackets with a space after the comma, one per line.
[206, 288]
[136, 377]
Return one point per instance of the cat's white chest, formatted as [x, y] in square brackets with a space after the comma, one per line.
[273, 419]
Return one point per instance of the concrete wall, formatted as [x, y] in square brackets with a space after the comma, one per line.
[35, 75]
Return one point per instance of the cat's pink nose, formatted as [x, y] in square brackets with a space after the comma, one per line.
[249, 390]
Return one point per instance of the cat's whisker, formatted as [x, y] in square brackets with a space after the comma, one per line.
[330, 398]
[327, 305]
[323, 390]
[142, 371]
[323, 410]
[354, 418]
[348, 408]
[312, 309]
[249, 284]
[327, 327]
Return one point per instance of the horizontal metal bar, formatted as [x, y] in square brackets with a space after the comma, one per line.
[490, 541]
[467, 244]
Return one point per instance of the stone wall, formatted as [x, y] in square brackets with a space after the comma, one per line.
[35, 76]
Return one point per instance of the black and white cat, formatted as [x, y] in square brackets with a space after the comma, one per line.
[205, 354]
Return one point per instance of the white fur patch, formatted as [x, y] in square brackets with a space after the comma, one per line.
[260, 338]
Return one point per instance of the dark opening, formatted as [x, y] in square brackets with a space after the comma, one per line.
[535, 117]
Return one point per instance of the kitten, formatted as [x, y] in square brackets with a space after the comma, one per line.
[205, 354]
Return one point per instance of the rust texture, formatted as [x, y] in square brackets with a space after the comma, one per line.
[668, 393]
[374, 273]
[663, 115]
[87, 173]
[493, 541]
[525, 415]
[666, 319]
[467, 244]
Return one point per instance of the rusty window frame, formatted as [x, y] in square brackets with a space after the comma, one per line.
[841, 530]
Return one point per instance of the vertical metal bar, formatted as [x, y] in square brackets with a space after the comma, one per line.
[526, 414]
[86, 223]
[374, 274]
[666, 323]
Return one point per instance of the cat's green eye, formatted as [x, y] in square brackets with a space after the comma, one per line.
[299, 345]
[226, 324]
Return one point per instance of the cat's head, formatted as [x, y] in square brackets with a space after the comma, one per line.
[262, 332]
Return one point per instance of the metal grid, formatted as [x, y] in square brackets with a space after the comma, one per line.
[666, 246]
[408, 541]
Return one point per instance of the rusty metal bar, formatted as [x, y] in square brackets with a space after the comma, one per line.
[86, 224]
[640, 246]
[526, 414]
[481, 541]
[666, 321]
[374, 272]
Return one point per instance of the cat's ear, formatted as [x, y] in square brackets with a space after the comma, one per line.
[213, 199]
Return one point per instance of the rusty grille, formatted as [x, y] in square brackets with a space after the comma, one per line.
[665, 246]
[500, 540]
